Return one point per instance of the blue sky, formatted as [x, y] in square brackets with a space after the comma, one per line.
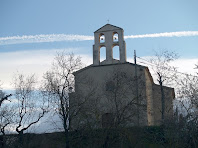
[35, 17]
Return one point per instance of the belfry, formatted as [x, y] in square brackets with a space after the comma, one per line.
[109, 36]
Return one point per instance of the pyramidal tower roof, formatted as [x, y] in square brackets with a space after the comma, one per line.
[108, 27]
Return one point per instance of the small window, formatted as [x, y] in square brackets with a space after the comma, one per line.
[107, 120]
[122, 74]
[115, 37]
[110, 86]
[102, 38]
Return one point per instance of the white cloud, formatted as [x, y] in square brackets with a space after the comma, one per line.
[183, 65]
[71, 37]
[39, 61]
[27, 62]
[186, 65]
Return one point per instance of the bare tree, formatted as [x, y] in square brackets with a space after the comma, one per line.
[3, 96]
[58, 83]
[121, 98]
[165, 73]
[6, 115]
[84, 105]
[31, 107]
[6, 119]
[188, 96]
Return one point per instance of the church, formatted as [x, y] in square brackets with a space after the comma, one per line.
[114, 92]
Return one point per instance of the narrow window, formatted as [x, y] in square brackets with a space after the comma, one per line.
[107, 120]
[115, 37]
[102, 54]
[116, 53]
[102, 38]
[110, 86]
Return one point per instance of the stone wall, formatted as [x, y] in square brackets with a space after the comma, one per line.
[169, 96]
[100, 76]
[95, 96]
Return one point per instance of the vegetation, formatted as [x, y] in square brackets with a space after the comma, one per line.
[145, 137]
[23, 111]
[165, 73]
[58, 83]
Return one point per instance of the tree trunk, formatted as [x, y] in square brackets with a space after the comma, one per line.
[64, 114]
[3, 141]
[2, 144]
[66, 133]
[162, 97]
[67, 139]
[20, 142]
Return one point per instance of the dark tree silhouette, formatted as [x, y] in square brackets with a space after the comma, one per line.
[165, 73]
[31, 106]
[58, 83]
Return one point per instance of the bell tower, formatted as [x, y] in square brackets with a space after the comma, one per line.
[109, 36]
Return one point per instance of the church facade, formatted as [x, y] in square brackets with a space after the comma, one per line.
[114, 92]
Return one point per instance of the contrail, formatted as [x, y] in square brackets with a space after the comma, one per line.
[43, 38]
[165, 34]
[64, 37]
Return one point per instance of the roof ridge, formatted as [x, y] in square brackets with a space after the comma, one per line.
[110, 25]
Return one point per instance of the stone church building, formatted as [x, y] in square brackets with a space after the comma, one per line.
[112, 93]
